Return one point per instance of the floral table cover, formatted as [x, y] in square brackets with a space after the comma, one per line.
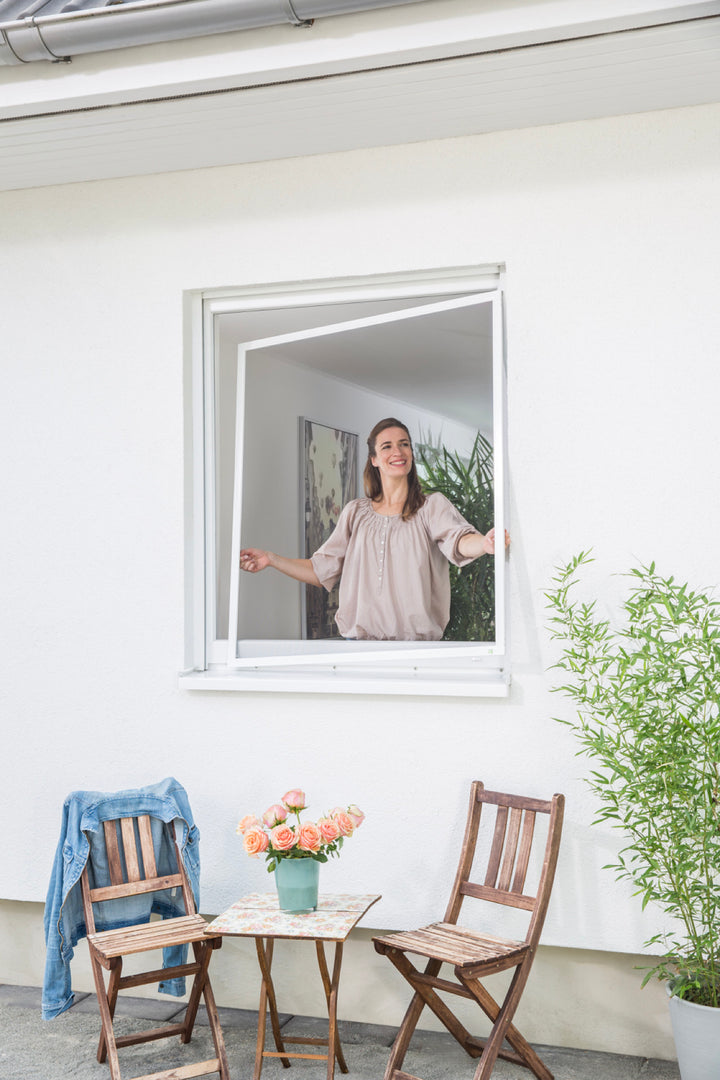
[258, 915]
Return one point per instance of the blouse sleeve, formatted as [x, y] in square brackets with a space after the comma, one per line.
[446, 526]
[329, 558]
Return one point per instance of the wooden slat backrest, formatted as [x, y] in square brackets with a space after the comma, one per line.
[523, 855]
[146, 846]
[510, 852]
[497, 845]
[113, 852]
[132, 864]
[512, 833]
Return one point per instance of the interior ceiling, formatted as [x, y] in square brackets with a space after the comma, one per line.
[606, 74]
[440, 362]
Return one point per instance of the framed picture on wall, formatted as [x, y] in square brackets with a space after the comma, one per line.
[328, 479]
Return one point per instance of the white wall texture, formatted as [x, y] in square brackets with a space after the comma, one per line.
[610, 235]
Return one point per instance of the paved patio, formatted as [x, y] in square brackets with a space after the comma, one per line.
[64, 1048]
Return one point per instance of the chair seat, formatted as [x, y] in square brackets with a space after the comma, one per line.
[146, 936]
[456, 945]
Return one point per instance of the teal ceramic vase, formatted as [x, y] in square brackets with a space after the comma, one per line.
[297, 883]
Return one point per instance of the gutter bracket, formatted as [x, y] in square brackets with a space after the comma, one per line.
[6, 41]
[32, 24]
[293, 16]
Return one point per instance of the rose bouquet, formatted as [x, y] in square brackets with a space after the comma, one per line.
[278, 837]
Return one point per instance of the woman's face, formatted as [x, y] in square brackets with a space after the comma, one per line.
[393, 452]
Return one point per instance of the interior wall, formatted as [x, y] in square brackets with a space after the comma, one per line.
[610, 235]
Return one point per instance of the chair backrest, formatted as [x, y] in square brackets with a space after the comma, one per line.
[510, 855]
[132, 864]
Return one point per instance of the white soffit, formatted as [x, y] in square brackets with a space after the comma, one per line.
[601, 75]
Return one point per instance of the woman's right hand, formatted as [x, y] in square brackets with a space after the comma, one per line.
[254, 559]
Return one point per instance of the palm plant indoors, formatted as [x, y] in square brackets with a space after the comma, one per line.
[468, 484]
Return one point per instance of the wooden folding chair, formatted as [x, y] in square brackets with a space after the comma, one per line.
[475, 955]
[131, 858]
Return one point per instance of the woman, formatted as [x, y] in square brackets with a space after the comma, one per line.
[390, 550]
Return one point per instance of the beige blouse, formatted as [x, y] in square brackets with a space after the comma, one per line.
[394, 578]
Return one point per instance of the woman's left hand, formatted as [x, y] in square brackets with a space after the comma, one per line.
[490, 541]
[473, 545]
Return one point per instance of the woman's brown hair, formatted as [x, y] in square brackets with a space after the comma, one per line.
[371, 475]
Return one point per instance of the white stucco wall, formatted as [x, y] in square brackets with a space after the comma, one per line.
[610, 234]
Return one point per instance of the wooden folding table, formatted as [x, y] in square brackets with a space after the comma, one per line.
[259, 916]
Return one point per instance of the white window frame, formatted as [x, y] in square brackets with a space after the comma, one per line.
[447, 668]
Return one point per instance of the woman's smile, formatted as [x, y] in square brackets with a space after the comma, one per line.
[393, 452]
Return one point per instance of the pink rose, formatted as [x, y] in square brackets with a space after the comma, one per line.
[328, 829]
[248, 822]
[309, 838]
[282, 838]
[255, 841]
[356, 815]
[344, 823]
[294, 799]
[274, 815]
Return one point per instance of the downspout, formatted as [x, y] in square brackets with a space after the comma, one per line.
[119, 25]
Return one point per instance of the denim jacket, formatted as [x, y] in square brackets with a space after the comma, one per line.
[82, 837]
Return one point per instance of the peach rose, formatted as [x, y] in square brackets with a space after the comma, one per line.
[274, 815]
[255, 841]
[356, 815]
[328, 829]
[248, 822]
[344, 823]
[282, 837]
[294, 799]
[309, 838]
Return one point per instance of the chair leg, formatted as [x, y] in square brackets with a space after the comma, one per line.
[427, 996]
[216, 1031]
[107, 999]
[487, 1050]
[202, 952]
[501, 1016]
[107, 1047]
[402, 1039]
[112, 993]
[424, 995]
[201, 988]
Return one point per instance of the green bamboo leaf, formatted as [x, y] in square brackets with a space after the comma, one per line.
[648, 700]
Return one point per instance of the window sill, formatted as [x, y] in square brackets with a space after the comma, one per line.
[477, 684]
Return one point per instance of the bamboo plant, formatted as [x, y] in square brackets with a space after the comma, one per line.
[648, 701]
[468, 484]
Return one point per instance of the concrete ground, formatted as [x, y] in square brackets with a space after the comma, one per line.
[64, 1048]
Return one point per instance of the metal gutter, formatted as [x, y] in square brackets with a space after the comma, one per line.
[73, 30]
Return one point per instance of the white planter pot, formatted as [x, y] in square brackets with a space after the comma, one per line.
[696, 1030]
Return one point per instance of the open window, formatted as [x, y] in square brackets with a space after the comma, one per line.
[428, 348]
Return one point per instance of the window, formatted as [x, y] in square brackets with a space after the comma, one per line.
[426, 347]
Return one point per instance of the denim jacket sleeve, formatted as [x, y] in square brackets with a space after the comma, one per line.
[80, 835]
